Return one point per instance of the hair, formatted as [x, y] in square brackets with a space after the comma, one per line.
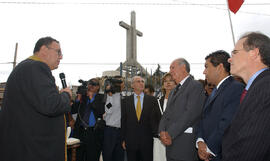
[163, 80]
[119, 77]
[202, 82]
[97, 81]
[260, 41]
[220, 56]
[182, 61]
[44, 41]
[133, 79]
[150, 87]
[239, 79]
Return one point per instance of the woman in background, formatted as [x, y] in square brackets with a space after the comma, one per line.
[159, 150]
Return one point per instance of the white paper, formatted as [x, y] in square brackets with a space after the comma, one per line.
[189, 130]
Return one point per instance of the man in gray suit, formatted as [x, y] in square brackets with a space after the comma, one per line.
[183, 112]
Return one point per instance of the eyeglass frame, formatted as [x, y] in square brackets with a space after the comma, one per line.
[59, 52]
[234, 52]
[139, 81]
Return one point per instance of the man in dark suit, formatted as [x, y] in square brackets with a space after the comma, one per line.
[183, 112]
[137, 123]
[220, 106]
[248, 136]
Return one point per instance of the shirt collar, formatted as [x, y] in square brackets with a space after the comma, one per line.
[250, 81]
[183, 81]
[222, 81]
[91, 100]
[141, 94]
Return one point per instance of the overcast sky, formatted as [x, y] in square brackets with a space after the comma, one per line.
[92, 40]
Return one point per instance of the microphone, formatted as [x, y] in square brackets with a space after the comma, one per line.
[63, 80]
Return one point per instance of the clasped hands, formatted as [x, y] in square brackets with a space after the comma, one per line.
[202, 151]
[165, 138]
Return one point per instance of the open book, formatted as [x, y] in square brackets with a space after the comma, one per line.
[71, 141]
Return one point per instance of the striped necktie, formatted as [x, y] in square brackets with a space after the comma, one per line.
[243, 95]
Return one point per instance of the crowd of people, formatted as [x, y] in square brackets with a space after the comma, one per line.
[222, 118]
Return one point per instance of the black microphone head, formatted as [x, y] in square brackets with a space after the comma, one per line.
[62, 76]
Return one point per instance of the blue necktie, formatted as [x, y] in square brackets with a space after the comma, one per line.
[211, 96]
[213, 93]
[92, 120]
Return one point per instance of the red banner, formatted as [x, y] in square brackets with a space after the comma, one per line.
[234, 5]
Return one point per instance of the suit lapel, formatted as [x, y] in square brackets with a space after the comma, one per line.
[146, 103]
[162, 102]
[133, 109]
[219, 90]
[180, 90]
[259, 77]
[144, 106]
[169, 102]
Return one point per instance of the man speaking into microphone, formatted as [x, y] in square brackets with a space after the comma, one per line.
[32, 120]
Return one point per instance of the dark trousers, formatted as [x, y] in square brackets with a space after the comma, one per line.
[112, 148]
[142, 153]
[217, 158]
[91, 146]
[196, 159]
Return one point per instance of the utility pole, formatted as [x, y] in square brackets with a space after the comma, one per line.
[15, 56]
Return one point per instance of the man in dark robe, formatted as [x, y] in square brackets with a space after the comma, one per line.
[32, 119]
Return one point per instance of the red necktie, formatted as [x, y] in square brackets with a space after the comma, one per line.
[243, 95]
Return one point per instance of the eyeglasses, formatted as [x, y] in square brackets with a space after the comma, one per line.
[93, 83]
[234, 52]
[139, 81]
[59, 52]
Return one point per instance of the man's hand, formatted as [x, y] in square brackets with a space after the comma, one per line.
[165, 138]
[103, 116]
[79, 97]
[66, 90]
[202, 151]
[108, 87]
[72, 123]
[124, 145]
